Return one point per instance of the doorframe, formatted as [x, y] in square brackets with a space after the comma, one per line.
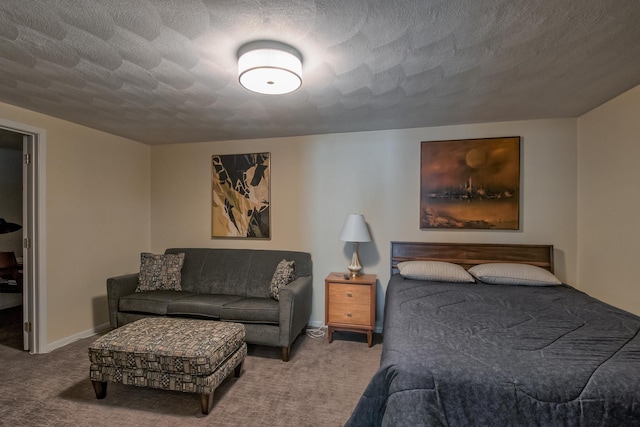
[34, 229]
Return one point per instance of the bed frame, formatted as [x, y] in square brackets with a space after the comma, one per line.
[502, 354]
[470, 254]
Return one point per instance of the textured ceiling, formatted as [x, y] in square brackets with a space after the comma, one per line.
[164, 71]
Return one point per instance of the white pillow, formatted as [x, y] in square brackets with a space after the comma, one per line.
[438, 271]
[513, 274]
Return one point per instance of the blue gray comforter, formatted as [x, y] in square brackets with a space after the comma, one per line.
[496, 355]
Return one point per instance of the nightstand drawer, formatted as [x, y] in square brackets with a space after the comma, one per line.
[340, 293]
[350, 314]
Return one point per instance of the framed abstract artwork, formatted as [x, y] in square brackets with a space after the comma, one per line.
[240, 189]
[470, 184]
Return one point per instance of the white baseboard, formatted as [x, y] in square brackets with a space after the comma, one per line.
[100, 328]
[75, 337]
[317, 324]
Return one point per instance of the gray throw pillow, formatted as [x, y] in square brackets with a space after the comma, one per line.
[285, 273]
[160, 272]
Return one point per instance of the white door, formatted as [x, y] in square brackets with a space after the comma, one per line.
[33, 233]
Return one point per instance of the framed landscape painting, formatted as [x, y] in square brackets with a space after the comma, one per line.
[240, 192]
[470, 184]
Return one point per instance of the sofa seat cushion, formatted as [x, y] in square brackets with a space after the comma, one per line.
[205, 305]
[151, 302]
[252, 310]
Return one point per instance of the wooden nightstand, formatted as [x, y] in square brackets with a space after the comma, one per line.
[350, 304]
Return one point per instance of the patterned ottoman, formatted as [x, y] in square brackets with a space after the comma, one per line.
[187, 355]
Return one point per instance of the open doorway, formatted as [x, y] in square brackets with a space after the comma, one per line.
[11, 240]
[28, 247]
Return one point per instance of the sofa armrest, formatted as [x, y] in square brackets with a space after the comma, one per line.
[118, 287]
[295, 309]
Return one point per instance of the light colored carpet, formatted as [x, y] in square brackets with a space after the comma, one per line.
[10, 331]
[319, 386]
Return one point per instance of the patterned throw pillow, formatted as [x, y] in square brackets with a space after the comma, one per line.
[160, 272]
[285, 273]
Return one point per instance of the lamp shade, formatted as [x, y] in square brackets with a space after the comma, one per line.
[269, 67]
[355, 229]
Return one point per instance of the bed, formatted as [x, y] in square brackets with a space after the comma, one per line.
[478, 354]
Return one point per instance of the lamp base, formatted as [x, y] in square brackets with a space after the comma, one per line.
[355, 267]
[354, 273]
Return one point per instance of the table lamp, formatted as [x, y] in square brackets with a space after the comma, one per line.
[355, 231]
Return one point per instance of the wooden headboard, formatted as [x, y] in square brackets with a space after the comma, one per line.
[470, 254]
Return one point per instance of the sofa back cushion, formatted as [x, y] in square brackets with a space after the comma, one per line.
[243, 272]
[264, 264]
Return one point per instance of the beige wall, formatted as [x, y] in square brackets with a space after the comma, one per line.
[318, 180]
[608, 202]
[97, 218]
[110, 198]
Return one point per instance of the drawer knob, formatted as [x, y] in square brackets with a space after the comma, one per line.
[349, 315]
[349, 294]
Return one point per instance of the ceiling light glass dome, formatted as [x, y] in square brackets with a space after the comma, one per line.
[269, 67]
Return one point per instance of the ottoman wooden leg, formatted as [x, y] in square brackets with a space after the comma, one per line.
[238, 370]
[206, 403]
[100, 387]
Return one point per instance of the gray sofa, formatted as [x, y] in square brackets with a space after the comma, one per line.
[227, 285]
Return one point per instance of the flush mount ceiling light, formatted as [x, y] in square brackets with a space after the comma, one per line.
[269, 67]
